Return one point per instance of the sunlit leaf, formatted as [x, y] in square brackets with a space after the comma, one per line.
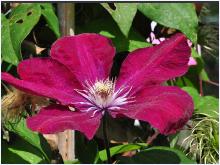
[20, 151]
[181, 16]
[123, 14]
[51, 18]
[33, 138]
[76, 161]
[203, 75]
[7, 51]
[194, 53]
[109, 29]
[208, 106]
[194, 94]
[120, 149]
[22, 20]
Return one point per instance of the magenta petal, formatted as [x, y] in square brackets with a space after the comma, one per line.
[88, 56]
[165, 108]
[155, 64]
[57, 118]
[38, 89]
[45, 77]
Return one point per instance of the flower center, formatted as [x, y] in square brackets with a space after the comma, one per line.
[102, 96]
[104, 88]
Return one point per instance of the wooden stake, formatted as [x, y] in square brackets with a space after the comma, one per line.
[66, 139]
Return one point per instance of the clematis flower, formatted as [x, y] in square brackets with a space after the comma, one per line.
[77, 73]
[152, 39]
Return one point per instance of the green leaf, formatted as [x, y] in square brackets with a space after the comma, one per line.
[8, 54]
[120, 149]
[188, 82]
[20, 152]
[76, 161]
[203, 75]
[133, 44]
[194, 53]
[173, 139]
[194, 94]
[86, 151]
[123, 15]
[157, 155]
[22, 20]
[181, 16]
[200, 66]
[108, 28]
[51, 18]
[184, 81]
[33, 138]
[208, 106]
[199, 69]
[8, 157]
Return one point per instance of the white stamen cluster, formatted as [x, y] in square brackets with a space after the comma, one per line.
[102, 96]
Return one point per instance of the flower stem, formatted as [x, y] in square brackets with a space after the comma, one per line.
[152, 138]
[211, 82]
[104, 126]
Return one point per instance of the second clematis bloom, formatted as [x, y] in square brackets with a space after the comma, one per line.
[77, 73]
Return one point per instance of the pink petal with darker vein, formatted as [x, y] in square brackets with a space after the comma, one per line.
[88, 56]
[165, 108]
[155, 64]
[57, 118]
[45, 77]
